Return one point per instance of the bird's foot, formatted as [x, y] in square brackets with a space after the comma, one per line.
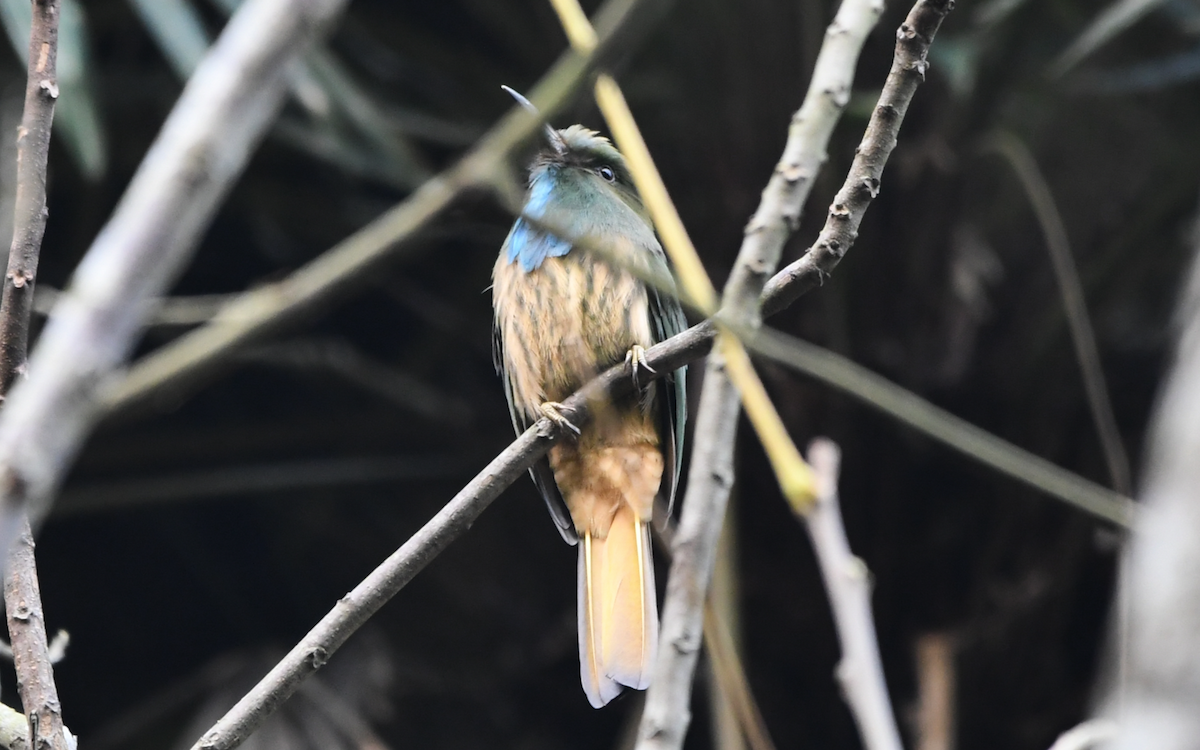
[552, 410]
[636, 359]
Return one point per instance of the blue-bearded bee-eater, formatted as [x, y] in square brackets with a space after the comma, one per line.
[563, 316]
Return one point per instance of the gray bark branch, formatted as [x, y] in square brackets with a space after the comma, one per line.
[22, 594]
[201, 150]
[1154, 701]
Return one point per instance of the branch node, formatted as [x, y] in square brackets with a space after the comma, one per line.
[318, 656]
[20, 278]
[792, 173]
[840, 96]
[49, 88]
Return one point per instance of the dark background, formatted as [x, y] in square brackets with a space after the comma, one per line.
[195, 542]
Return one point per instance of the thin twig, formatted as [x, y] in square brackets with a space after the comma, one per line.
[1154, 704]
[939, 424]
[22, 594]
[376, 589]
[847, 581]
[1013, 150]
[863, 182]
[167, 311]
[29, 215]
[201, 149]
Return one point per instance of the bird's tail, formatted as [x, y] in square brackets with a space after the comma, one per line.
[618, 613]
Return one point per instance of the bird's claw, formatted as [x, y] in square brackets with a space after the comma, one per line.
[636, 359]
[552, 410]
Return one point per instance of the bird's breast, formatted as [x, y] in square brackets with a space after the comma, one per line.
[563, 322]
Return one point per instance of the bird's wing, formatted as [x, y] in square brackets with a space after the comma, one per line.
[666, 318]
[543, 477]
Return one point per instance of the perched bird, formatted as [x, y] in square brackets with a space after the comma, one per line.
[561, 317]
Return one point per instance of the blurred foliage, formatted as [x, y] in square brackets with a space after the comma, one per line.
[229, 521]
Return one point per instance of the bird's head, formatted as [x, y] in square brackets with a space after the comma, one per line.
[577, 168]
[579, 160]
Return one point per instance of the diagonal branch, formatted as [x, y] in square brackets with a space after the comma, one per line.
[22, 595]
[912, 410]
[862, 184]
[200, 151]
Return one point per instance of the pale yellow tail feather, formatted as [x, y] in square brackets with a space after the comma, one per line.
[599, 688]
[618, 612]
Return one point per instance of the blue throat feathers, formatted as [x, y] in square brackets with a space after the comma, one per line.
[529, 246]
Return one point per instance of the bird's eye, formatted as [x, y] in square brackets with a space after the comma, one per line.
[607, 173]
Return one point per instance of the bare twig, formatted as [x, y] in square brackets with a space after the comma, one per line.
[847, 581]
[22, 596]
[355, 608]
[29, 215]
[202, 148]
[1070, 287]
[862, 184]
[939, 424]
[31, 653]
[167, 311]
[1155, 704]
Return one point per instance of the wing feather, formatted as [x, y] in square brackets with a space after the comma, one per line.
[543, 477]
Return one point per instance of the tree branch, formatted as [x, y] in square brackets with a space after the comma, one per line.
[22, 596]
[29, 215]
[202, 148]
[862, 184]
[939, 424]
[376, 589]
[666, 716]
[847, 581]
[1154, 705]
